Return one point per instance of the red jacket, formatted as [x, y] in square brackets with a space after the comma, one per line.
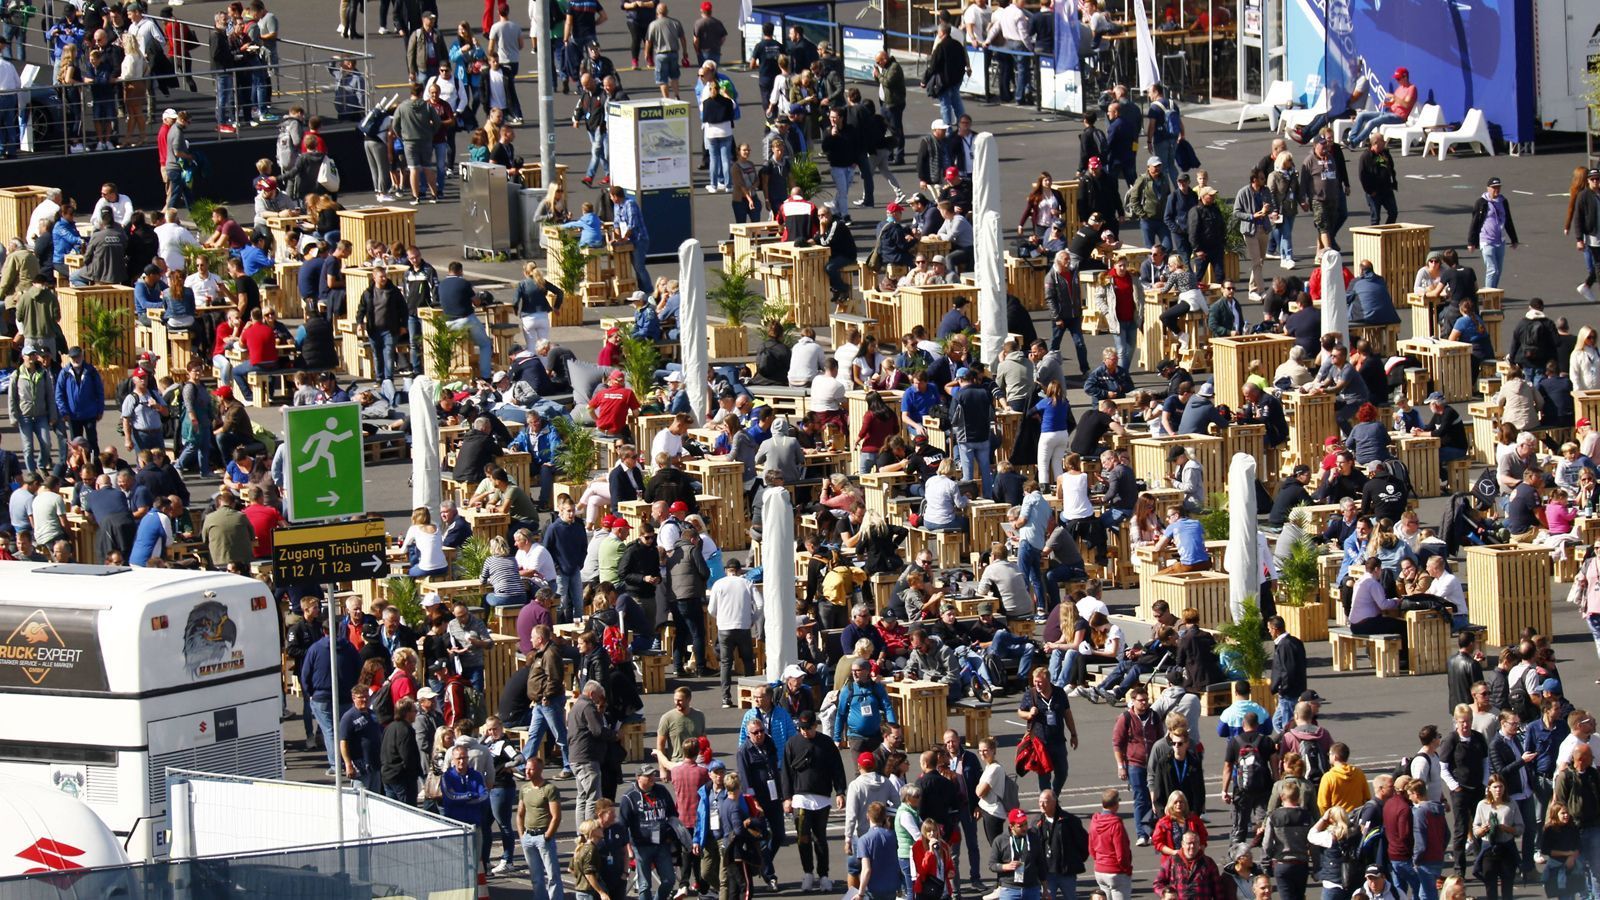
[1163, 833]
[1108, 844]
[611, 407]
[925, 863]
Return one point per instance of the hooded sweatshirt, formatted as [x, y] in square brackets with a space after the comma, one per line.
[1108, 844]
[784, 451]
[859, 795]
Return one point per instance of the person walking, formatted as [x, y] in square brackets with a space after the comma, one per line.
[813, 784]
[667, 51]
[547, 693]
[1492, 230]
[1253, 209]
[1465, 758]
[538, 821]
[400, 758]
[732, 603]
[1379, 181]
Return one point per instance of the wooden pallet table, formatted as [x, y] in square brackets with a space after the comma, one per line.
[1420, 454]
[653, 672]
[985, 524]
[796, 276]
[74, 301]
[1146, 564]
[1383, 339]
[636, 513]
[1206, 592]
[1156, 343]
[975, 718]
[1485, 418]
[390, 224]
[948, 547]
[1382, 649]
[1311, 419]
[1396, 251]
[1509, 590]
[1150, 458]
[1231, 356]
[499, 662]
[1428, 644]
[1328, 582]
[1449, 364]
[926, 304]
[533, 175]
[632, 736]
[1251, 440]
[1025, 279]
[748, 238]
[879, 488]
[922, 707]
[16, 209]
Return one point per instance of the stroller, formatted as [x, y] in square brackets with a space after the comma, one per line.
[979, 673]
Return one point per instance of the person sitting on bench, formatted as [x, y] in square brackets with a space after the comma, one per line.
[1368, 602]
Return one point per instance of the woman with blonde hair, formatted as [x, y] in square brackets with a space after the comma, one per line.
[403, 681]
[1176, 821]
[1340, 847]
[552, 210]
[1584, 363]
[537, 298]
[428, 541]
[69, 86]
[135, 91]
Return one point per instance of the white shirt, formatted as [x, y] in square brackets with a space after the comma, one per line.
[1570, 743]
[206, 287]
[942, 498]
[171, 238]
[9, 80]
[975, 20]
[44, 216]
[1012, 22]
[1088, 606]
[1448, 587]
[1075, 496]
[121, 210]
[733, 603]
[846, 355]
[536, 559]
[805, 361]
[827, 394]
[666, 442]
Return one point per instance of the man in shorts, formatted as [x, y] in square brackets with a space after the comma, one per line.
[416, 121]
[666, 49]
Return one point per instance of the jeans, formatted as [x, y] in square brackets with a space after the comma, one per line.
[1404, 876]
[1154, 232]
[1019, 893]
[227, 108]
[1073, 327]
[493, 599]
[1367, 122]
[970, 454]
[383, 346]
[535, 328]
[549, 716]
[1426, 882]
[906, 879]
[1283, 237]
[260, 92]
[322, 711]
[442, 152]
[1591, 262]
[1291, 878]
[736, 640]
[544, 864]
[1030, 559]
[569, 587]
[691, 632]
[1166, 149]
[587, 776]
[503, 803]
[1463, 804]
[35, 429]
[1127, 333]
[1059, 668]
[842, 177]
[895, 116]
[951, 109]
[480, 336]
[1533, 825]
[1139, 787]
[1382, 203]
[721, 162]
[1006, 645]
[414, 341]
[403, 793]
[1283, 716]
[1494, 260]
[641, 249]
[656, 859]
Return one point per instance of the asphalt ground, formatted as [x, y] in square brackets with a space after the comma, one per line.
[1378, 719]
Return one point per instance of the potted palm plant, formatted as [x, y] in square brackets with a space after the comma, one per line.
[571, 265]
[1303, 613]
[1214, 518]
[640, 361]
[405, 594]
[1243, 651]
[1233, 248]
[443, 343]
[470, 556]
[577, 457]
[738, 304]
[805, 175]
[100, 330]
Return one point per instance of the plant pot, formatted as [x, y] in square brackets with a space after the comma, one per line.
[112, 374]
[573, 489]
[1308, 623]
[1230, 265]
[729, 340]
[1261, 692]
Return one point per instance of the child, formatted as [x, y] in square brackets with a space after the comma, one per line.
[305, 391]
[591, 232]
[1257, 377]
[479, 151]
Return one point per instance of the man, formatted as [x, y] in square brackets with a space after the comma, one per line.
[1398, 109]
[1136, 730]
[732, 603]
[1379, 180]
[971, 416]
[1288, 672]
[1253, 209]
[1370, 300]
[948, 66]
[1208, 236]
[1464, 756]
[1343, 785]
[400, 757]
[1247, 778]
[415, 120]
[648, 813]
[679, 724]
[567, 541]
[538, 821]
[757, 763]
[1323, 187]
[1533, 343]
[891, 78]
[361, 741]
[1147, 202]
[812, 774]
[589, 733]
[1463, 670]
[381, 320]
[228, 534]
[877, 852]
[547, 693]
[630, 227]
[863, 708]
[1108, 381]
[667, 51]
[31, 400]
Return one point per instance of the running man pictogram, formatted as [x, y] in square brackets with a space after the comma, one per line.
[319, 445]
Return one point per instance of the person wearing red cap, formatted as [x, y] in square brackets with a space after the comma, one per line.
[708, 36]
[612, 405]
[1401, 101]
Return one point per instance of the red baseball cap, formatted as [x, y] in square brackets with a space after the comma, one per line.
[1017, 817]
[951, 173]
[1402, 72]
[1094, 162]
[867, 761]
[705, 7]
[678, 507]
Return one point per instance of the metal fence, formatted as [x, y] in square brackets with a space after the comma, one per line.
[53, 117]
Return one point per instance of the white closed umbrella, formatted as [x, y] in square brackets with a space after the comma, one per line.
[425, 490]
[1335, 311]
[988, 266]
[1144, 39]
[1241, 557]
[692, 325]
[777, 580]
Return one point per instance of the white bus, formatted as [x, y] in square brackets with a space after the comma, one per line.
[109, 676]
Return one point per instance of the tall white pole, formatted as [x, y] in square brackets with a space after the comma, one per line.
[544, 68]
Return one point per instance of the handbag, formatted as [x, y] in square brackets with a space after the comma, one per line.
[934, 84]
[433, 787]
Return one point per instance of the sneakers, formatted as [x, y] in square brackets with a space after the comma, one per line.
[825, 885]
[1584, 290]
[383, 198]
[711, 189]
[225, 128]
[501, 867]
[382, 30]
[772, 884]
[1286, 263]
[808, 883]
[515, 120]
[78, 148]
[1142, 841]
[727, 704]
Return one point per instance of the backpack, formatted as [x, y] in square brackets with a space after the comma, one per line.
[1170, 124]
[371, 126]
[328, 175]
[288, 149]
[1250, 772]
[1404, 768]
[615, 643]
[1316, 761]
[1521, 703]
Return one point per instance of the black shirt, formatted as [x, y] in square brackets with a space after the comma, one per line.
[455, 297]
[1291, 493]
[1449, 429]
[1520, 511]
[1384, 498]
[1091, 428]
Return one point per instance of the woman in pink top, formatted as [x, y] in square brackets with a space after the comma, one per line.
[1401, 101]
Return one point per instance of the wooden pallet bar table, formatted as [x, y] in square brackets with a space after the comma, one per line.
[1396, 251]
[1485, 418]
[390, 224]
[533, 175]
[16, 209]
[1206, 592]
[113, 297]
[1382, 338]
[1156, 343]
[925, 305]
[923, 710]
[1311, 420]
[1231, 356]
[1586, 405]
[748, 237]
[1420, 453]
[1427, 642]
[796, 276]
[1509, 590]
[463, 365]
[1251, 440]
[499, 662]
[1449, 364]
[1150, 458]
[1025, 278]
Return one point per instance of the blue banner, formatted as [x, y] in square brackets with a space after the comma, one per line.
[1066, 35]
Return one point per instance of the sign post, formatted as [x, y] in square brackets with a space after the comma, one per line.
[326, 479]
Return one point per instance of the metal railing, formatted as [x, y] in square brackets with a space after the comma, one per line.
[56, 118]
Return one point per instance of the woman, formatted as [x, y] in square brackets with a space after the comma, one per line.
[1055, 423]
[778, 101]
[1561, 848]
[1077, 511]
[1389, 549]
[997, 792]
[1180, 770]
[470, 66]
[1176, 821]
[102, 78]
[1285, 842]
[943, 500]
[877, 545]
[69, 85]
[1044, 707]
[134, 89]
[586, 864]
[1147, 524]
[1505, 440]
[834, 233]
[1469, 329]
[1369, 439]
[868, 360]
[716, 123]
[877, 426]
[745, 179]
[428, 541]
[1497, 823]
[1044, 208]
[1294, 772]
[1102, 642]
[1580, 183]
[1284, 185]
[1584, 363]
[506, 587]
[932, 866]
[324, 212]
[403, 679]
[1340, 848]
[537, 298]
[552, 210]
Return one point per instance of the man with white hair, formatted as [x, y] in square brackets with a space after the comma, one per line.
[44, 216]
[1508, 471]
[588, 735]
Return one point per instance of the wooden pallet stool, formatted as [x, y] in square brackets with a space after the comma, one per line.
[947, 547]
[652, 673]
[1428, 644]
[1382, 649]
[975, 719]
[632, 734]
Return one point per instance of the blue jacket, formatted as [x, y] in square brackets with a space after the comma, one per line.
[567, 542]
[778, 723]
[80, 398]
[590, 231]
[315, 680]
[1101, 382]
[646, 324]
[1370, 301]
[1546, 741]
[862, 710]
[146, 298]
[463, 794]
[709, 804]
[66, 240]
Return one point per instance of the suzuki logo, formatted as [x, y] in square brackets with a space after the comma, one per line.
[50, 855]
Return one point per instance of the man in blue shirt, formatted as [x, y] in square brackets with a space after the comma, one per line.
[360, 741]
[455, 304]
[157, 529]
[646, 324]
[916, 402]
[1032, 523]
[879, 854]
[147, 294]
[955, 320]
[629, 219]
[863, 708]
[1186, 534]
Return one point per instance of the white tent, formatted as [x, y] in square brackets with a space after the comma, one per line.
[988, 254]
[1335, 311]
[424, 443]
[777, 583]
[692, 325]
[1241, 559]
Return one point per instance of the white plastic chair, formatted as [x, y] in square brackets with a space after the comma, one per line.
[1299, 118]
[1415, 128]
[1280, 96]
[1474, 130]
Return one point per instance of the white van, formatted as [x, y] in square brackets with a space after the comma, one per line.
[110, 675]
